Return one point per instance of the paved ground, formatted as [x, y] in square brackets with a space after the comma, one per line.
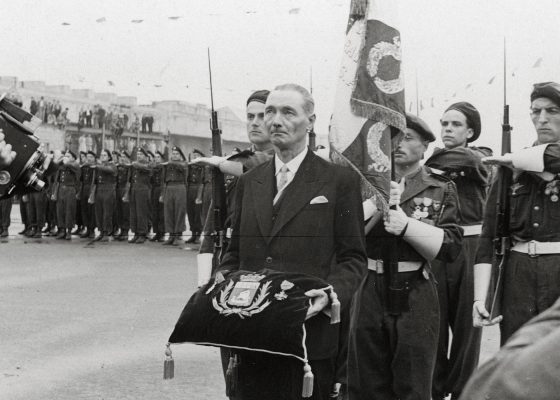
[91, 322]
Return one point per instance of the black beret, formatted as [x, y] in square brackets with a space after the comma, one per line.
[126, 154]
[178, 149]
[116, 153]
[141, 150]
[73, 154]
[92, 153]
[259, 95]
[199, 152]
[415, 123]
[550, 90]
[471, 114]
[108, 154]
[82, 152]
[151, 154]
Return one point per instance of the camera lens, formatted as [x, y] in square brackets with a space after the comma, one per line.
[34, 182]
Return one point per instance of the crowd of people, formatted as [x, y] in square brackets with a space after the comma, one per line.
[290, 209]
[109, 194]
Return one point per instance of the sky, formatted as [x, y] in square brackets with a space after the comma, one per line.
[451, 50]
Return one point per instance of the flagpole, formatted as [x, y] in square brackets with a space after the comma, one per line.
[505, 73]
[417, 109]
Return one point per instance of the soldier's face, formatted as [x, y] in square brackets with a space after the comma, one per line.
[454, 129]
[255, 123]
[82, 158]
[175, 155]
[68, 157]
[140, 156]
[410, 149]
[158, 158]
[286, 121]
[90, 159]
[545, 115]
[103, 157]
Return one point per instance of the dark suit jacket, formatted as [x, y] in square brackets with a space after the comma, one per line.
[324, 240]
[526, 367]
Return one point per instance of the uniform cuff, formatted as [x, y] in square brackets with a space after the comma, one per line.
[426, 239]
[530, 159]
[369, 208]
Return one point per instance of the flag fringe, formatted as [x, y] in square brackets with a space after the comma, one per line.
[378, 113]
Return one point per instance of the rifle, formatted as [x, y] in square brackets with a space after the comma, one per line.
[502, 240]
[218, 186]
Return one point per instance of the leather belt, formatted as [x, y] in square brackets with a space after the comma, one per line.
[535, 248]
[472, 230]
[404, 266]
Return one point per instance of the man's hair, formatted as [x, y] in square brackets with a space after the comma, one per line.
[308, 102]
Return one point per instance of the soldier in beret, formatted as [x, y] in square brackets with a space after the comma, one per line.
[68, 179]
[532, 272]
[105, 194]
[80, 228]
[195, 187]
[460, 126]
[122, 187]
[88, 210]
[393, 356]
[175, 195]
[157, 206]
[140, 197]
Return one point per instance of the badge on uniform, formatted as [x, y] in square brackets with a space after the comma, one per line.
[263, 311]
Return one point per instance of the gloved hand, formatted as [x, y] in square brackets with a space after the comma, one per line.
[396, 222]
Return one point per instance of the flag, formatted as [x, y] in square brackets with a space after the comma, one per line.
[369, 104]
[537, 63]
[491, 81]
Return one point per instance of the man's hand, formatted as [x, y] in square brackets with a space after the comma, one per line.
[7, 155]
[213, 161]
[396, 222]
[319, 301]
[506, 160]
[481, 316]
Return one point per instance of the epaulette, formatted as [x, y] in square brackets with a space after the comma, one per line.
[439, 175]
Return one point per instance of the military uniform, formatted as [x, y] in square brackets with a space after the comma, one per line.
[140, 199]
[195, 182]
[175, 198]
[5, 212]
[393, 356]
[51, 204]
[206, 194]
[36, 208]
[88, 210]
[455, 279]
[68, 179]
[123, 207]
[157, 206]
[532, 273]
[105, 194]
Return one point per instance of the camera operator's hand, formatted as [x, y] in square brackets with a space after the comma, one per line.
[7, 155]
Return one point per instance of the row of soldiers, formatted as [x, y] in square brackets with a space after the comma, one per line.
[115, 195]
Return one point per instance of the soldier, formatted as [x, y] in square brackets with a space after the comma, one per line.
[261, 151]
[140, 190]
[105, 193]
[80, 228]
[50, 212]
[195, 187]
[531, 281]
[36, 208]
[88, 210]
[175, 195]
[460, 125]
[157, 206]
[123, 207]
[68, 178]
[5, 213]
[392, 354]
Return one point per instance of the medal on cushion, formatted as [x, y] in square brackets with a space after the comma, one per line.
[427, 203]
[552, 191]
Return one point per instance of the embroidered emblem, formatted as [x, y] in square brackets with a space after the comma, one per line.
[218, 279]
[285, 285]
[245, 298]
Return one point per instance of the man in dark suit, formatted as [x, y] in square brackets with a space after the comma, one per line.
[297, 213]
